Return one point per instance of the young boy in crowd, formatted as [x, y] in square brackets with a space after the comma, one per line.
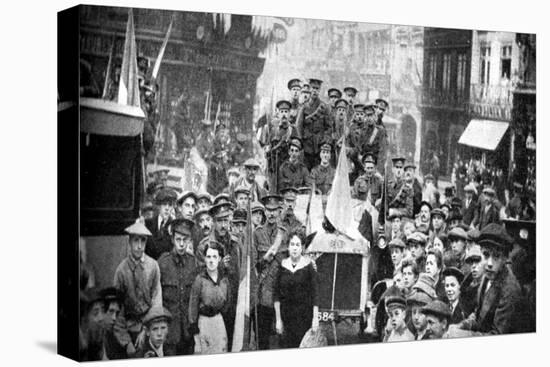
[397, 311]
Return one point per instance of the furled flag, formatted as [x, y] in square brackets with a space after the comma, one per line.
[128, 87]
[162, 49]
[243, 336]
[339, 209]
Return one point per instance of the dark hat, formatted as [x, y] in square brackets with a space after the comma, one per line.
[359, 107]
[221, 198]
[326, 145]
[251, 162]
[157, 313]
[185, 195]
[315, 82]
[455, 215]
[296, 141]
[204, 196]
[341, 103]
[182, 226]
[289, 190]
[473, 253]
[202, 211]
[418, 299]
[138, 229]
[333, 92]
[221, 210]
[350, 90]
[426, 284]
[494, 235]
[394, 213]
[283, 104]
[239, 216]
[424, 202]
[455, 272]
[409, 165]
[257, 207]
[369, 109]
[395, 301]
[456, 202]
[449, 190]
[382, 103]
[396, 242]
[523, 232]
[429, 176]
[243, 190]
[272, 202]
[473, 234]
[110, 294]
[166, 196]
[398, 159]
[445, 205]
[437, 308]
[417, 237]
[369, 157]
[457, 233]
[306, 88]
[437, 211]
[294, 83]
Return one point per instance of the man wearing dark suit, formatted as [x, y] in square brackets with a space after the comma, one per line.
[469, 204]
[500, 302]
[158, 225]
[488, 213]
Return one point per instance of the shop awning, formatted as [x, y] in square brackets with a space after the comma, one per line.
[483, 134]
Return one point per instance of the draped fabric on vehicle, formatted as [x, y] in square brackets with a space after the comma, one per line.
[483, 134]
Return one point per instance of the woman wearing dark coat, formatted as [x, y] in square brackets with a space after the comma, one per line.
[295, 295]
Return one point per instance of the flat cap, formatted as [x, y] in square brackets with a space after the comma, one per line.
[395, 301]
[138, 229]
[201, 212]
[417, 237]
[185, 195]
[359, 107]
[326, 145]
[455, 215]
[394, 213]
[296, 141]
[182, 226]
[369, 109]
[473, 234]
[294, 83]
[457, 233]
[417, 298]
[437, 308]
[272, 202]
[470, 188]
[315, 82]
[234, 171]
[256, 206]
[251, 162]
[242, 190]
[382, 103]
[333, 92]
[221, 210]
[438, 212]
[111, 294]
[155, 314]
[494, 235]
[221, 198]
[283, 105]
[409, 165]
[473, 253]
[341, 103]
[456, 202]
[455, 272]
[204, 196]
[396, 242]
[350, 90]
[369, 158]
[426, 284]
[166, 196]
[239, 216]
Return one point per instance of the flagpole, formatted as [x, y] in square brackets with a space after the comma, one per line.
[107, 83]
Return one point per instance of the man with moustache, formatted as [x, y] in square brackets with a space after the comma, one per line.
[178, 269]
[334, 94]
[203, 226]
[411, 179]
[288, 218]
[270, 243]
[500, 303]
[339, 123]
[381, 106]
[293, 173]
[313, 124]
[158, 225]
[424, 215]
[294, 87]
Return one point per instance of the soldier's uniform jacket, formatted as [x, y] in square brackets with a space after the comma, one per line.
[371, 140]
[355, 134]
[338, 128]
[400, 197]
[177, 274]
[292, 175]
[294, 109]
[279, 139]
[217, 177]
[374, 185]
[291, 223]
[314, 125]
[322, 176]
[264, 238]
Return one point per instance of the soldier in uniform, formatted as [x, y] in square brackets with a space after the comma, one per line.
[349, 96]
[410, 178]
[340, 122]
[292, 172]
[158, 225]
[381, 106]
[205, 140]
[279, 138]
[178, 269]
[294, 86]
[372, 137]
[322, 176]
[230, 263]
[271, 244]
[288, 219]
[305, 93]
[203, 221]
[313, 124]
[370, 180]
[217, 175]
[399, 193]
[333, 95]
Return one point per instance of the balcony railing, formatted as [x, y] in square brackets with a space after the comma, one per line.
[491, 101]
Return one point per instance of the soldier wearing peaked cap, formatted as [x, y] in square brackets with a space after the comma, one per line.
[178, 269]
[339, 121]
[370, 181]
[314, 124]
[295, 87]
[399, 192]
[381, 106]
[137, 278]
[293, 172]
[322, 175]
[333, 95]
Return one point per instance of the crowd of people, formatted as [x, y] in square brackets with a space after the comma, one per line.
[441, 264]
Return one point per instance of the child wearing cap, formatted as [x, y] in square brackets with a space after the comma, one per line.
[396, 307]
[156, 324]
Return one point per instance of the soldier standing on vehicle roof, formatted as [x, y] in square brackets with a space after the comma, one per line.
[313, 124]
[295, 87]
[292, 172]
[323, 175]
[372, 181]
[334, 94]
[288, 218]
[340, 122]
[349, 95]
[399, 194]
[372, 137]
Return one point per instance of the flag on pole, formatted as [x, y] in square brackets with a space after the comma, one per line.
[128, 87]
[162, 49]
[339, 203]
[243, 335]
[107, 83]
